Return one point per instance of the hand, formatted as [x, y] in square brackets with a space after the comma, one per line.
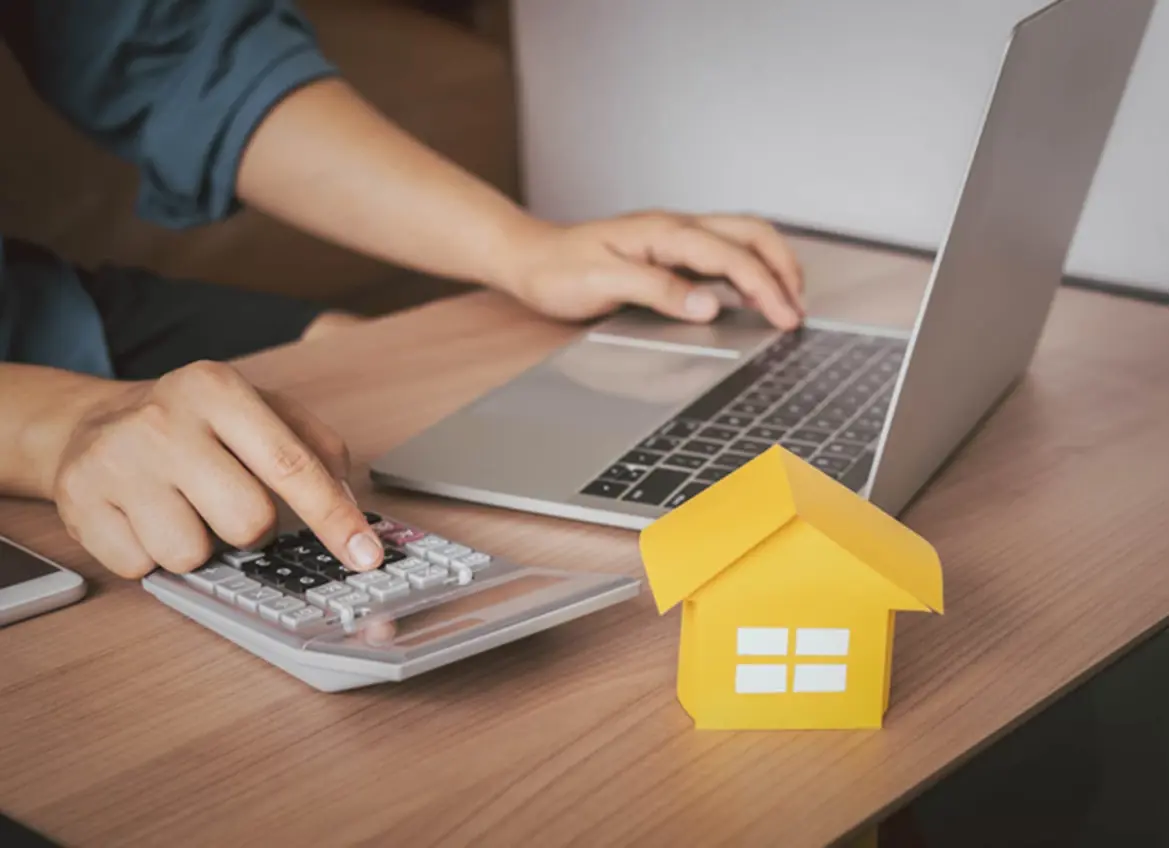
[590, 269]
[151, 468]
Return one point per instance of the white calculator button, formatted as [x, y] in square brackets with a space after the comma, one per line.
[463, 574]
[426, 543]
[363, 582]
[238, 558]
[300, 618]
[228, 589]
[206, 577]
[393, 587]
[444, 555]
[435, 575]
[321, 595]
[251, 600]
[274, 608]
[405, 566]
[350, 601]
[476, 560]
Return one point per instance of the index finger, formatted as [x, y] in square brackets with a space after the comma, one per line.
[271, 450]
[769, 245]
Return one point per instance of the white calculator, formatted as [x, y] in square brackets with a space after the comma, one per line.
[433, 601]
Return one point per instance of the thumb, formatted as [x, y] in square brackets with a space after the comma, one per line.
[662, 291]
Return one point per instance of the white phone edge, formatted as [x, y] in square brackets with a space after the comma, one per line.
[41, 594]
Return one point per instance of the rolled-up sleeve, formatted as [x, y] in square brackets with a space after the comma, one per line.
[175, 86]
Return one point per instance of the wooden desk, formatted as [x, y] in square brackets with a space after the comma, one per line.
[121, 722]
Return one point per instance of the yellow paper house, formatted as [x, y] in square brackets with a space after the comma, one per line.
[789, 583]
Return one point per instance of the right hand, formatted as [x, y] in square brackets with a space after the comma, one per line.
[153, 466]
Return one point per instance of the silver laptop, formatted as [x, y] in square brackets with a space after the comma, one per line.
[640, 413]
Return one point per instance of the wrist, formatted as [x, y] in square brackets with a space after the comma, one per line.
[519, 237]
[43, 441]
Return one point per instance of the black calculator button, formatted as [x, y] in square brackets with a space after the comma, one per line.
[302, 581]
[337, 572]
[392, 555]
[259, 566]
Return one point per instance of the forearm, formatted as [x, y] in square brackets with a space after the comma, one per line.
[40, 408]
[326, 162]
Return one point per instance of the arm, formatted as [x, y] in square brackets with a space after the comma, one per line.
[327, 162]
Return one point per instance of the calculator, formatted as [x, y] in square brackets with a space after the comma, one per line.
[432, 602]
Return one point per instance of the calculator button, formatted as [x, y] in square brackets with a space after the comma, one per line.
[320, 596]
[228, 589]
[252, 599]
[406, 536]
[302, 582]
[362, 582]
[274, 608]
[404, 567]
[391, 556]
[298, 619]
[390, 588]
[349, 601]
[444, 555]
[206, 577]
[463, 574]
[259, 566]
[434, 575]
[426, 543]
[476, 560]
[373, 517]
[238, 558]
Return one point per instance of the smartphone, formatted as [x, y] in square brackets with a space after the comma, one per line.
[30, 584]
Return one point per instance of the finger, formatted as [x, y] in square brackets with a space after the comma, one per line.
[769, 245]
[268, 447]
[711, 254]
[660, 290]
[322, 439]
[104, 531]
[168, 527]
[230, 499]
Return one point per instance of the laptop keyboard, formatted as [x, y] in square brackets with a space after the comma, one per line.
[821, 394]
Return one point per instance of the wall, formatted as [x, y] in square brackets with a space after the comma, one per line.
[853, 116]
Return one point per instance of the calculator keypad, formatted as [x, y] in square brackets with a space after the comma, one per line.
[297, 584]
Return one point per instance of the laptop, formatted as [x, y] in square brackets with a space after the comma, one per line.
[640, 413]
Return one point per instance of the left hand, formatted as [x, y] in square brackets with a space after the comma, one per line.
[590, 269]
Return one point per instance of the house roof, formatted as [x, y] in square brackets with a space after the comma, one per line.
[697, 541]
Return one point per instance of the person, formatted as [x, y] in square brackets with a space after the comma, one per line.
[116, 402]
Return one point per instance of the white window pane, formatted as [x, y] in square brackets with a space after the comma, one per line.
[762, 641]
[822, 642]
[818, 678]
[761, 679]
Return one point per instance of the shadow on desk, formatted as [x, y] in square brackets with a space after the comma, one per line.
[1088, 771]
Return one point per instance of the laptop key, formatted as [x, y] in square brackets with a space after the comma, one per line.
[641, 457]
[657, 486]
[734, 420]
[701, 447]
[845, 449]
[604, 489]
[684, 494]
[749, 409]
[622, 473]
[721, 434]
[799, 448]
[680, 429]
[832, 465]
[683, 460]
[732, 460]
[810, 435]
[858, 473]
[712, 474]
[856, 434]
[660, 444]
[751, 446]
[769, 434]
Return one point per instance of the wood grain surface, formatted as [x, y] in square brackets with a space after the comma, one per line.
[122, 723]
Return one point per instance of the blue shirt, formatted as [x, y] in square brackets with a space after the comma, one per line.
[175, 86]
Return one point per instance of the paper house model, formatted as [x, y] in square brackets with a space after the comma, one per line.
[789, 583]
